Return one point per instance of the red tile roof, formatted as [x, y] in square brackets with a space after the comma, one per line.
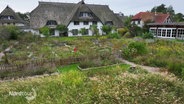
[145, 16]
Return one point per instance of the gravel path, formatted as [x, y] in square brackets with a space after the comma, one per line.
[148, 68]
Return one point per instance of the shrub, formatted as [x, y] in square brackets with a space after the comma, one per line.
[83, 31]
[127, 35]
[62, 29]
[114, 35]
[45, 31]
[140, 47]
[9, 32]
[134, 49]
[122, 31]
[106, 29]
[147, 35]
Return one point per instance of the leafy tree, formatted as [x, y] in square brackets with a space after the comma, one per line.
[170, 10]
[127, 22]
[62, 28]
[45, 31]
[24, 16]
[107, 29]
[161, 8]
[83, 31]
[179, 17]
[94, 30]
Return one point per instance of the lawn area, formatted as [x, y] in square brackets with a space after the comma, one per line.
[108, 85]
[68, 68]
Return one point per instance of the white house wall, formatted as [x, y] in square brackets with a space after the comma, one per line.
[71, 26]
[141, 24]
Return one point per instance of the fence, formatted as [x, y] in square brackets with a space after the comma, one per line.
[38, 66]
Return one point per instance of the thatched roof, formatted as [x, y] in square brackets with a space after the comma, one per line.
[64, 13]
[10, 12]
[173, 24]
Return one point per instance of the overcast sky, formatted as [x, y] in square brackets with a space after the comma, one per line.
[128, 7]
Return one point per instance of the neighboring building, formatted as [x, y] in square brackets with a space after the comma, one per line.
[121, 16]
[9, 17]
[143, 17]
[74, 16]
[167, 30]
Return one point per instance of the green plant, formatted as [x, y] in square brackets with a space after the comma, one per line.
[134, 49]
[114, 35]
[94, 30]
[83, 31]
[147, 35]
[9, 32]
[107, 29]
[62, 29]
[45, 31]
[122, 31]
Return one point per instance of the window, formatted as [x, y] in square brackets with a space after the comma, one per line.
[7, 17]
[109, 23]
[159, 32]
[163, 32]
[51, 22]
[86, 32]
[76, 22]
[153, 31]
[94, 22]
[85, 14]
[86, 22]
[180, 33]
[75, 31]
[138, 22]
[168, 33]
[173, 32]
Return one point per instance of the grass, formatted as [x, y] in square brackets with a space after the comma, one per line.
[68, 68]
[109, 85]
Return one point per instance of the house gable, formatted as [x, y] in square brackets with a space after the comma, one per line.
[8, 16]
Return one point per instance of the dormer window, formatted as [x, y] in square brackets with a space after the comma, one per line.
[85, 14]
[6, 17]
[109, 23]
[51, 23]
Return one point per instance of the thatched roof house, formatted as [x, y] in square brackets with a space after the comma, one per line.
[65, 13]
[8, 16]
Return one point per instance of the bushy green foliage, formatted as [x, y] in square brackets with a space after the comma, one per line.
[45, 31]
[122, 31]
[106, 29]
[83, 31]
[94, 29]
[114, 35]
[147, 35]
[62, 28]
[9, 32]
[134, 49]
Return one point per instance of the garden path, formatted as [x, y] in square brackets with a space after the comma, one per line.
[148, 68]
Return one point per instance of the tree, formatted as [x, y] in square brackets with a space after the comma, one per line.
[62, 29]
[107, 29]
[94, 29]
[45, 31]
[83, 31]
[170, 10]
[127, 22]
[161, 8]
[24, 16]
[179, 17]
